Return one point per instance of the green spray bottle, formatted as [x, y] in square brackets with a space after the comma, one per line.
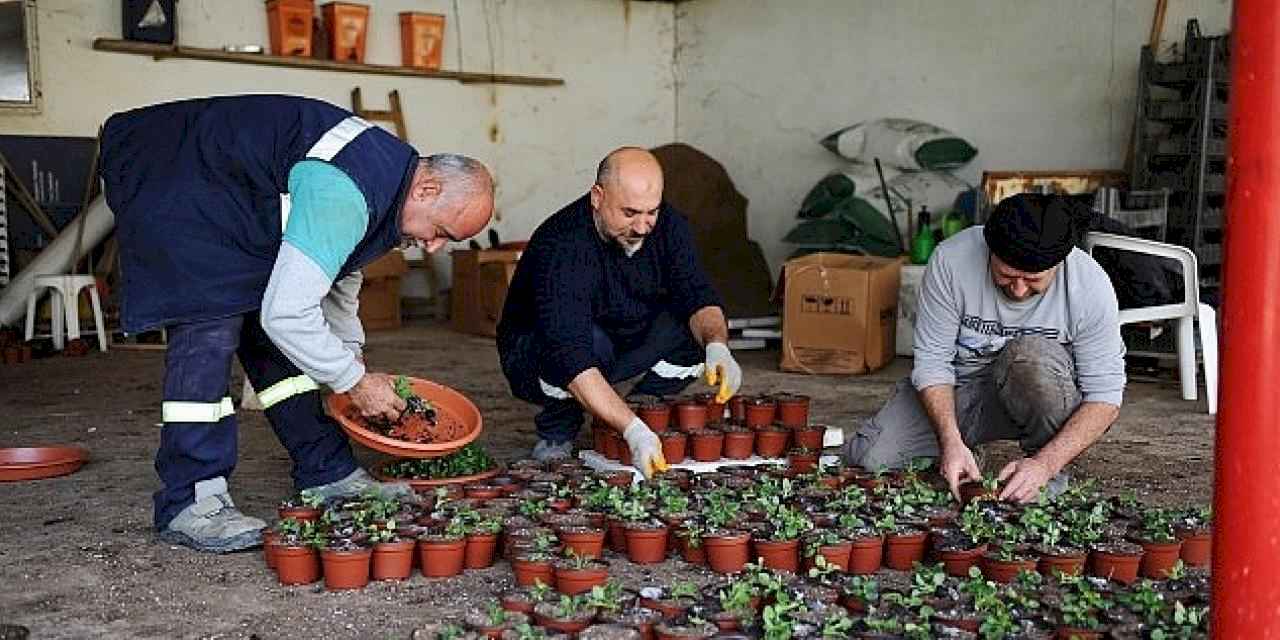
[953, 223]
[923, 242]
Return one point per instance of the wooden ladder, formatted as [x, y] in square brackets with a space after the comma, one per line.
[394, 115]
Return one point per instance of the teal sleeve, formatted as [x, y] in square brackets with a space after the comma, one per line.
[327, 215]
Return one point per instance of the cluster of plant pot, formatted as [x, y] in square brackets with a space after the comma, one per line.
[699, 428]
[796, 538]
[825, 603]
[350, 541]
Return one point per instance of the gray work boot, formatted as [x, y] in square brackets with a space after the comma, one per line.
[358, 482]
[212, 523]
[546, 451]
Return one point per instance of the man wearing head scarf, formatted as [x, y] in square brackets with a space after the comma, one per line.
[1017, 338]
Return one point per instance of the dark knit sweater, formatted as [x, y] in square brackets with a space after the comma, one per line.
[570, 279]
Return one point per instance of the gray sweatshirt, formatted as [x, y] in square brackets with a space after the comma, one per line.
[964, 320]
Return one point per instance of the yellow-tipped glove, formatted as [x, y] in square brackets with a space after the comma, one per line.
[646, 448]
[722, 370]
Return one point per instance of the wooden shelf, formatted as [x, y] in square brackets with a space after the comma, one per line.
[161, 52]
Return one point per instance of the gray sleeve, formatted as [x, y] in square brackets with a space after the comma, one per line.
[341, 308]
[1097, 347]
[937, 325]
[292, 318]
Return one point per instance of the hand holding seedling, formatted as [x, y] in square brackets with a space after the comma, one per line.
[375, 396]
[1023, 479]
[957, 466]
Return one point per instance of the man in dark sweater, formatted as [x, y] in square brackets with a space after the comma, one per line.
[610, 287]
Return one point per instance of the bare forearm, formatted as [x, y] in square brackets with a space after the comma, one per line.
[595, 394]
[1083, 428]
[708, 325]
[940, 405]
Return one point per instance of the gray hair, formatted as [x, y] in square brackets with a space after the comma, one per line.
[462, 176]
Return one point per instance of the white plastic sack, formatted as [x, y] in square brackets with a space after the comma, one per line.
[909, 144]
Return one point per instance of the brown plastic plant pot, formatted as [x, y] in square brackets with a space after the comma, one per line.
[1158, 559]
[616, 535]
[970, 491]
[441, 558]
[393, 560]
[556, 625]
[691, 415]
[738, 408]
[612, 445]
[531, 572]
[269, 539]
[957, 562]
[297, 564]
[727, 554]
[572, 582]
[707, 445]
[739, 444]
[1003, 571]
[802, 461]
[449, 405]
[715, 410]
[656, 416]
[479, 550]
[793, 410]
[674, 446]
[1121, 567]
[1197, 547]
[646, 545]
[35, 463]
[810, 436]
[481, 492]
[1075, 633]
[1066, 564]
[759, 412]
[837, 555]
[902, 550]
[346, 569]
[585, 542]
[779, 555]
[866, 555]
[772, 441]
[694, 555]
[301, 514]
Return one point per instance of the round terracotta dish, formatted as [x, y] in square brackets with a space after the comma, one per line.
[34, 463]
[380, 472]
[446, 401]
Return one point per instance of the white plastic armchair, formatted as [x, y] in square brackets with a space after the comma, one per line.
[1187, 312]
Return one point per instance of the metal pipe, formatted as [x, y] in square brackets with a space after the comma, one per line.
[1246, 545]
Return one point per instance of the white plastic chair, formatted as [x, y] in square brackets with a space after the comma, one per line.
[65, 316]
[1186, 312]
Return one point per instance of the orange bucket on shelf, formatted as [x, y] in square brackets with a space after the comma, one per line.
[347, 23]
[421, 39]
[289, 26]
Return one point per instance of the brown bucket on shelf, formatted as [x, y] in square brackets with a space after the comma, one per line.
[347, 23]
[289, 25]
[421, 39]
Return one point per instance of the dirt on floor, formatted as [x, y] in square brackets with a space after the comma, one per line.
[79, 559]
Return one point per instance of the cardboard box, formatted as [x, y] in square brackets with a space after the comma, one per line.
[380, 292]
[480, 281]
[840, 313]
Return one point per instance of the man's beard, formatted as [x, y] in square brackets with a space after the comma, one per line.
[622, 239]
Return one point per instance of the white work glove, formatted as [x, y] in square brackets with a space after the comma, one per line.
[722, 370]
[646, 448]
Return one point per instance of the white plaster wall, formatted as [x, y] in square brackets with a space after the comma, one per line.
[542, 143]
[1034, 84]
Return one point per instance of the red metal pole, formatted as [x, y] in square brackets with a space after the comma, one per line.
[1246, 499]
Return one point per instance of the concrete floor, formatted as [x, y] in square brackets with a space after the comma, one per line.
[78, 557]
